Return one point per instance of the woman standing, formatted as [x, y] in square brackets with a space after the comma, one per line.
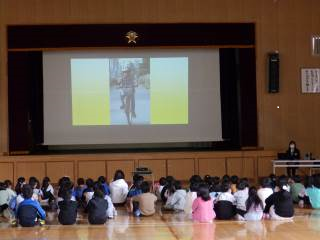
[293, 153]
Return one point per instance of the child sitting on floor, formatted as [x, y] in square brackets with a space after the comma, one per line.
[254, 206]
[177, 198]
[295, 188]
[145, 201]
[234, 183]
[29, 212]
[279, 206]
[47, 192]
[67, 209]
[224, 206]
[118, 188]
[241, 197]
[97, 208]
[311, 194]
[265, 191]
[190, 197]
[79, 189]
[202, 207]
[135, 190]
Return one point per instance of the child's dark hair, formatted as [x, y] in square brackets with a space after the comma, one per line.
[8, 183]
[226, 178]
[80, 181]
[18, 187]
[308, 181]
[177, 185]
[266, 183]
[138, 181]
[194, 187]
[27, 191]
[203, 192]
[119, 174]
[2, 186]
[253, 199]
[296, 179]
[102, 179]
[243, 183]
[45, 182]
[90, 183]
[207, 179]
[145, 187]
[195, 178]
[273, 178]
[67, 195]
[225, 186]
[98, 193]
[162, 181]
[316, 180]
[63, 180]
[234, 179]
[33, 182]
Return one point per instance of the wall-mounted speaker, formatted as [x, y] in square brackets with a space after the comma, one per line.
[273, 72]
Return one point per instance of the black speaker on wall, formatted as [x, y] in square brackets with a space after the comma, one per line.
[274, 65]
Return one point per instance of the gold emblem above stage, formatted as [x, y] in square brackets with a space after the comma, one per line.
[132, 36]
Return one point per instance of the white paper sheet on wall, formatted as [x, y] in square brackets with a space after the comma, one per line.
[310, 80]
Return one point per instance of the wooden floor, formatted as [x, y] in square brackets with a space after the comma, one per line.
[306, 225]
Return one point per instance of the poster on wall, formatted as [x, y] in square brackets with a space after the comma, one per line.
[310, 80]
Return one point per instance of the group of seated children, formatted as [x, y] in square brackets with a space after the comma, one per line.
[233, 198]
[205, 200]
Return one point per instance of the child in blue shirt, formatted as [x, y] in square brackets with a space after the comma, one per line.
[29, 211]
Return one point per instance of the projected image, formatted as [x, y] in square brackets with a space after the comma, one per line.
[129, 91]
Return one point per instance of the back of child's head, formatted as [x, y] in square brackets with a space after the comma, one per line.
[177, 185]
[170, 180]
[67, 195]
[242, 184]
[20, 183]
[2, 186]
[316, 180]
[63, 180]
[234, 179]
[80, 181]
[33, 182]
[90, 183]
[253, 199]
[296, 178]
[195, 178]
[102, 179]
[138, 181]
[225, 186]
[65, 187]
[45, 182]
[27, 191]
[145, 187]
[274, 179]
[308, 181]
[226, 178]
[207, 179]
[162, 181]
[282, 182]
[8, 183]
[119, 174]
[98, 193]
[194, 187]
[266, 183]
[203, 192]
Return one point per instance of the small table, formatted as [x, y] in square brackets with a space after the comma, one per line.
[311, 164]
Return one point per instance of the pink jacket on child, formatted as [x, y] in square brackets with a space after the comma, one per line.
[202, 211]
